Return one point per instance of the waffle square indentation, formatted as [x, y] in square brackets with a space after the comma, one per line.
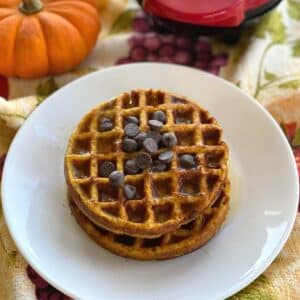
[163, 212]
[130, 100]
[107, 193]
[136, 213]
[183, 116]
[106, 144]
[186, 138]
[81, 168]
[155, 98]
[205, 118]
[162, 187]
[190, 184]
[211, 136]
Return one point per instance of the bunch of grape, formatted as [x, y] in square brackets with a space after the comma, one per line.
[43, 290]
[153, 47]
[141, 23]
[148, 46]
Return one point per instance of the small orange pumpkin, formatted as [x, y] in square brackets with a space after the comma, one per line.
[45, 38]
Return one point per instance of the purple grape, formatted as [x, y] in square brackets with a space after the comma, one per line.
[152, 57]
[183, 57]
[165, 59]
[167, 39]
[213, 70]
[166, 50]
[123, 60]
[223, 55]
[200, 64]
[138, 53]
[140, 14]
[40, 282]
[184, 43]
[220, 60]
[31, 273]
[203, 46]
[203, 56]
[42, 294]
[136, 40]
[152, 42]
[141, 25]
[56, 296]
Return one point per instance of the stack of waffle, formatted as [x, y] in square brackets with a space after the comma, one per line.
[154, 189]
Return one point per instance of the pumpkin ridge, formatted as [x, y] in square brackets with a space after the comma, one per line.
[47, 45]
[8, 16]
[19, 20]
[93, 5]
[15, 39]
[78, 31]
[64, 14]
[59, 2]
[10, 4]
[46, 42]
[88, 9]
[12, 12]
[43, 16]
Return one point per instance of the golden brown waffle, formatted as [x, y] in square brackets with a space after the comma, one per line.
[187, 238]
[166, 199]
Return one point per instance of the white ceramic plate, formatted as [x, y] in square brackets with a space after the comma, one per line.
[264, 194]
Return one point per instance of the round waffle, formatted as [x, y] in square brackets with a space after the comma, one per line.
[164, 200]
[183, 240]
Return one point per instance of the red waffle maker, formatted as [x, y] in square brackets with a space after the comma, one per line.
[205, 16]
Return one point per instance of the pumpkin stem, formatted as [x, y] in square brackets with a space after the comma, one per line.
[29, 7]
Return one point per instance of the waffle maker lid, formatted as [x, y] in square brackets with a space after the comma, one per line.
[216, 13]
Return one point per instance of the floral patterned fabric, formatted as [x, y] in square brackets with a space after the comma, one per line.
[264, 60]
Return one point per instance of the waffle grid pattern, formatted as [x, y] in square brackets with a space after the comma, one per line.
[164, 199]
[185, 239]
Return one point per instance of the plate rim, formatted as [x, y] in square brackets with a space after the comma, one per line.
[246, 97]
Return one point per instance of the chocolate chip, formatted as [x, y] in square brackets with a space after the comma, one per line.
[116, 178]
[105, 119]
[132, 119]
[143, 160]
[159, 166]
[131, 129]
[150, 145]
[129, 191]
[129, 145]
[166, 157]
[106, 168]
[155, 125]
[169, 139]
[105, 124]
[140, 138]
[187, 161]
[159, 116]
[131, 167]
[154, 135]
